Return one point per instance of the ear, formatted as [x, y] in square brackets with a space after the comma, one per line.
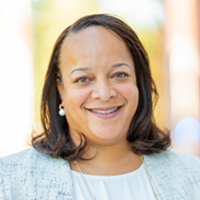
[60, 87]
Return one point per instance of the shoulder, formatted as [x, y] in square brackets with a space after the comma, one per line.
[21, 157]
[30, 160]
[26, 159]
[25, 173]
[175, 174]
[173, 163]
[173, 158]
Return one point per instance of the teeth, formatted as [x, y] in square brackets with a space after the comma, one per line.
[105, 111]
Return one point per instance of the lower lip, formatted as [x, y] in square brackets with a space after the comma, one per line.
[106, 116]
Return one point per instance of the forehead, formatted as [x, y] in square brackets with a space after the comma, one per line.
[92, 34]
[93, 43]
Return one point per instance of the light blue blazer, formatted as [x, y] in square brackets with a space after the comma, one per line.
[31, 175]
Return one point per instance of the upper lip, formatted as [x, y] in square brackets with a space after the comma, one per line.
[104, 108]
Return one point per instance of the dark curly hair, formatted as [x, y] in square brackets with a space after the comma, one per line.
[144, 136]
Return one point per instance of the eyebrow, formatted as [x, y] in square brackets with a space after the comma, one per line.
[119, 65]
[81, 69]
[89, 68]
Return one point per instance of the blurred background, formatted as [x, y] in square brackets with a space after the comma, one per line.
[169, 30]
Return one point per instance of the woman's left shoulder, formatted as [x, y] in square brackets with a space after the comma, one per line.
[174, 158]
[175, 174]
[174, 164]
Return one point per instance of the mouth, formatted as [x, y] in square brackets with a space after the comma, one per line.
[106, 113]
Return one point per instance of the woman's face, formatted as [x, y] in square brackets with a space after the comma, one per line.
[99, 91]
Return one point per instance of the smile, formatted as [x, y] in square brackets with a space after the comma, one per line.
[106, 111]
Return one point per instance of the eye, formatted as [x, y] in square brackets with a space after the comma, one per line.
[121, 75]
[82, 80]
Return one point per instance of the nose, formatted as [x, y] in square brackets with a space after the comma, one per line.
[103, 90]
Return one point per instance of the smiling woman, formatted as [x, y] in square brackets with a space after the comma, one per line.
[97, 61]
[102, 85]
[100, 140]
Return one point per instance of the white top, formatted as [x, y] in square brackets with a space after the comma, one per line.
[134, 185]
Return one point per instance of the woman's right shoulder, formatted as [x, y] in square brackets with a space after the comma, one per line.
[31, 173]
[29, 163]
[28, 159]
[18, 164]
[21, 158]
[14, 157]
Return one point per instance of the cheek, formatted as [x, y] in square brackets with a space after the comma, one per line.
[130, 92]
[75, 98]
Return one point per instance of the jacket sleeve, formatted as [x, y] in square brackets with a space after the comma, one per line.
[2, 186]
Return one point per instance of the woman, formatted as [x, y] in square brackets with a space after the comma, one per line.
[99, 140]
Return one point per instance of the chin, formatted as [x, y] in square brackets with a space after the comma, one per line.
[109, 135]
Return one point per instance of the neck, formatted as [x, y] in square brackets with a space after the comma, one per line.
[109, 160]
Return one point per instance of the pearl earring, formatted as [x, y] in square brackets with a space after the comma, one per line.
[61, 111]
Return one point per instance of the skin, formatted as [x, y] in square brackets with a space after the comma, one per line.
[98, 74]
